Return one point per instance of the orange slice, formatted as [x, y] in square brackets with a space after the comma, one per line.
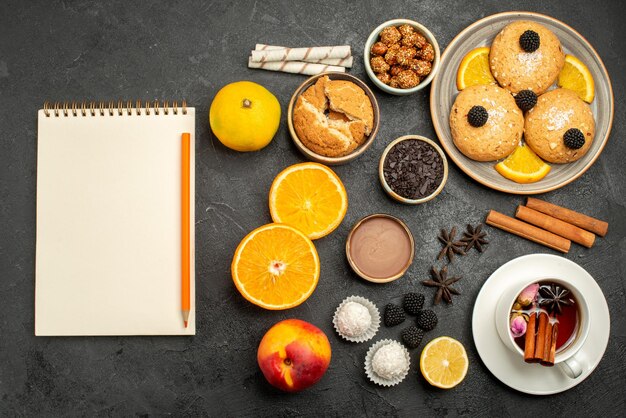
[576, 76]
[474, 69]
[309, 197]
[444, 362]
[523, 166]
[276, 267]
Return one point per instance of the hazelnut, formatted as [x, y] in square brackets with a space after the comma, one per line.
[390, 35]
[393, 82]
[427, 53]
[379, 65]
[407, 79]
[420, 67]
[384, 77]
[395, 70]
[391, 55]
[406, 29]
[378, 48]
[405, 55]
[410, 39]
[420, 41]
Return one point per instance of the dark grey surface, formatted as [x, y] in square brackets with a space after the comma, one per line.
[87, 50]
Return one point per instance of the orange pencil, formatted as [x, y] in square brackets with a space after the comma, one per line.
[184, 205]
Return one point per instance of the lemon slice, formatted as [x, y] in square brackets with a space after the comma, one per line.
[523, 166]
[474, 69]
[576, 76]
[444, 362]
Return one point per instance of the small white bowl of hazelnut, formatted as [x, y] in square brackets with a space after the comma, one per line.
[401, 56]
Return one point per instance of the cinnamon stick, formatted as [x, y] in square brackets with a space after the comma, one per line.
[529, 341]
[555, 334]
[541, 335]
[528, 231]
[547, 343]
[549, 223]
[575, 218]
[548, 358]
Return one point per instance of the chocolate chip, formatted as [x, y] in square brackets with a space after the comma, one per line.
[413, 169]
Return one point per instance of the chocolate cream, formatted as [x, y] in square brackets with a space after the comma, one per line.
[380, 247]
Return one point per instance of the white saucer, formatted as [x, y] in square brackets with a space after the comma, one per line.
[507, 365]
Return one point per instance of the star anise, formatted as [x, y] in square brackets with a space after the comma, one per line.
[450, 246]
[553, 298]
[474, 238]
[443, 284]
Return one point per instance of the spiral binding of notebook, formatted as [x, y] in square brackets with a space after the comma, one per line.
[128, 107]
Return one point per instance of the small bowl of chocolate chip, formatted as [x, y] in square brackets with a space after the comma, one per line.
[413, 169]
[401, 56]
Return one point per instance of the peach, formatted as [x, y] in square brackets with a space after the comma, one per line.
[294, 355]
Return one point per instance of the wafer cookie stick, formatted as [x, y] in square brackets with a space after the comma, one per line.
[300, 54]
[295, 67]
[342, 62]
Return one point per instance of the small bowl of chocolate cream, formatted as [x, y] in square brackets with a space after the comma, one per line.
[380, 248]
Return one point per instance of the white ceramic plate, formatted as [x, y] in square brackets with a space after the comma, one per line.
[443, 93]
[508, 366]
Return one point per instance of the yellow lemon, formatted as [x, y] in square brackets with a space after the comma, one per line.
[244, 116]
[444, 362]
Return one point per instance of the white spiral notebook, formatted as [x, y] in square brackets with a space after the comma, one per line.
[108, 254]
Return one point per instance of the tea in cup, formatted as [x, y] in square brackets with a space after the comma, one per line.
[546, 322]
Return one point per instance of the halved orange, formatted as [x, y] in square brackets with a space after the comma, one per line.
[309, 197]
[523, 166]
[576, 76]
[474, 69]
[276, 267]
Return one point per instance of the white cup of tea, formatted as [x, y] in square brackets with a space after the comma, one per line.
[569, 358]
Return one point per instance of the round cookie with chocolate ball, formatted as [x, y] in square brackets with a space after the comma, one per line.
[526, 55]
[486, 123]
[560, 128]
